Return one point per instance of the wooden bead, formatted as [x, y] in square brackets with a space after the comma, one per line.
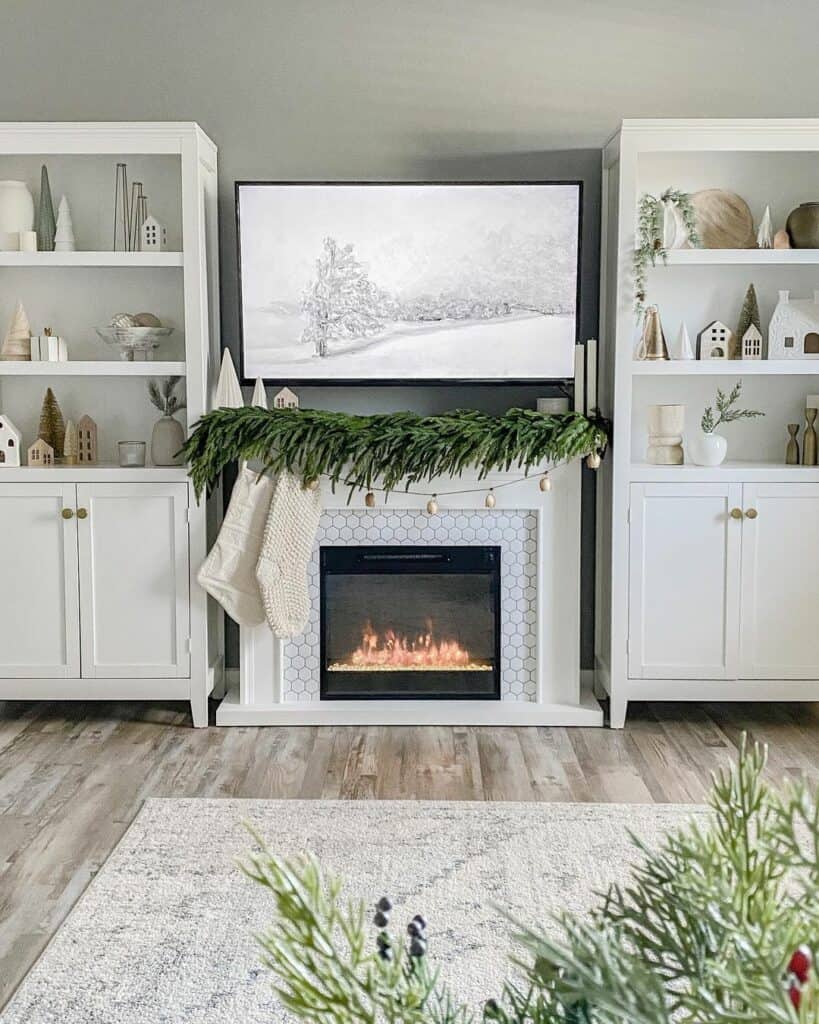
[593, 460]
[432, 506]
[369, 499]
[311, 485]
[490, 499]
[545, 482]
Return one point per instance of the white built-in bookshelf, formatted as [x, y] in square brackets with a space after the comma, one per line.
[707, 578]
[102, 638]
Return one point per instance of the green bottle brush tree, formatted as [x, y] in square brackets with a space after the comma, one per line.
[716, 926]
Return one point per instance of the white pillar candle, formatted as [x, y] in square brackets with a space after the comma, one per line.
[28, 241]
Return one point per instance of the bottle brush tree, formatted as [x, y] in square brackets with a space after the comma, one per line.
[718, 925]
[52, 425]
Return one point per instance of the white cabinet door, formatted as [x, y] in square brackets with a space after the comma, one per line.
[135, 607]
[39, 621]
[780, 581]
[684, 560]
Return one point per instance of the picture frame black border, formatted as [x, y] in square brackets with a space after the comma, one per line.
[309, 382]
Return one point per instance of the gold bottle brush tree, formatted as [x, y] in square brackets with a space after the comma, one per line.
[652, 343]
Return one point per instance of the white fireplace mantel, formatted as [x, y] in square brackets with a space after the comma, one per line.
[264, 695]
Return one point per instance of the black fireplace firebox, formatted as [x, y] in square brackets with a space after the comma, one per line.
[410, 623]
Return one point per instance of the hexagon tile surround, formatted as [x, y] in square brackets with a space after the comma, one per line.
[515, 532]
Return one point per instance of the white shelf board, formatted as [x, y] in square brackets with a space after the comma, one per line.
[104, 472]
[94, 368]
[90, 259]
[643, 472]
[724, 367]
[740, 257]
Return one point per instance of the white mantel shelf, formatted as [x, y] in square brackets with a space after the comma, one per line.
[643, 472]
[107, 472]
[740, 257]
[724, 367]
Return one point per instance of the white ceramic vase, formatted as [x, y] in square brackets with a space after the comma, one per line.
[16, 213]
[707, 449]
[166, 440]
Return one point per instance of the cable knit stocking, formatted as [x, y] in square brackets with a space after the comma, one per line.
[281, 571]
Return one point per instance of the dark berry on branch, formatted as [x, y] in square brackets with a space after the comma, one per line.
[415, 930]
[418, 947]
[421, 921]
[380, 920]
[491, 1008]
[385, 954]
[385, 904]
[800, 963]
[382, 940]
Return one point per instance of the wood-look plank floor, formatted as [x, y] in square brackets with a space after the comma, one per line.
[72, 777]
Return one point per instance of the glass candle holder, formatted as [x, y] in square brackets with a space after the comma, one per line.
[131, 454]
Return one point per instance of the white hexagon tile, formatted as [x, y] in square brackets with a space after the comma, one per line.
[515, 532]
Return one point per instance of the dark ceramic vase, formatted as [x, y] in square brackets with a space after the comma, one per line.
[803, 226]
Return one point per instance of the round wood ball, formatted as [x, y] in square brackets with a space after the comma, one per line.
[146, 320]
[490, 500]
[723, 220]
[432, 507]
[593, 460]
[545, 482]
[369, 499]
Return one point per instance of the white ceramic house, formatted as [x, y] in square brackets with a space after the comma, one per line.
[286, 399]
[153, 236]
[794, 329]
[715, 341]
[10, 439]
[752, 343]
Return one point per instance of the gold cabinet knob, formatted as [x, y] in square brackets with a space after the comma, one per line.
[736, 513]
[68, 513]
[751, 513]
[82, 513]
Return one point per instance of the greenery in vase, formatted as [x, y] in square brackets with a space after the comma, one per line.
[162, 395]
[394, 449]
[726, 411]
[650, 243]
[716, 926]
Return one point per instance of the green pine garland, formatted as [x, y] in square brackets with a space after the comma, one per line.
[718, 925]
[390, 449]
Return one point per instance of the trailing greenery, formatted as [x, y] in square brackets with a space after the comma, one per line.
[726, 413]
[650, 247]
[392, 449]
[714, 927]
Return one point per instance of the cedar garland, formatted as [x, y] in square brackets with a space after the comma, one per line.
[400, 448]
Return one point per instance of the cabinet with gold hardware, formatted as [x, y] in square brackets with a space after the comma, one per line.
[97, 579]
[723, 590]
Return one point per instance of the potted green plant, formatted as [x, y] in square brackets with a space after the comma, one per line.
[168, 435]
[708, 448]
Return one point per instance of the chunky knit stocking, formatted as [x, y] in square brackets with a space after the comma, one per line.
[228, 573]
[288, 541]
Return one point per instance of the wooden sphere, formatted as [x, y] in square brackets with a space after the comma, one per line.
[545, 482]
[311, 485]
[723, 220]
[490, 499]
[593, 460]
[432, 506]
[369, 499]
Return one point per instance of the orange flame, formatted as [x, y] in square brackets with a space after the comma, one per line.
[395, 652]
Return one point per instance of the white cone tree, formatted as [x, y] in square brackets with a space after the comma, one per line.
[64, 233]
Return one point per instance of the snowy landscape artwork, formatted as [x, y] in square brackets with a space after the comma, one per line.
[386, 282]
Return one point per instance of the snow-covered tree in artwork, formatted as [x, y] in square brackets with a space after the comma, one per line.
[341, 302]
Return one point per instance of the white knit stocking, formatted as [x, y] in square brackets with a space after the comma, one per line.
[281, 571]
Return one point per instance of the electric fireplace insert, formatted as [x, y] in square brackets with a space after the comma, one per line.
[410, 623]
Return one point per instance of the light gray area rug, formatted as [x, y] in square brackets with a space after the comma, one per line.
[164, 932]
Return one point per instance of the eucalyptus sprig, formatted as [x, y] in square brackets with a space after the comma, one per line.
[392, 449]
[162, 396]
[650, 247]
[726, 413]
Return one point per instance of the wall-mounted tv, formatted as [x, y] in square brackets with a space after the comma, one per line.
[408, 283]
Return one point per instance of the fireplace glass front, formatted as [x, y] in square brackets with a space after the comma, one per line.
[410, 623]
